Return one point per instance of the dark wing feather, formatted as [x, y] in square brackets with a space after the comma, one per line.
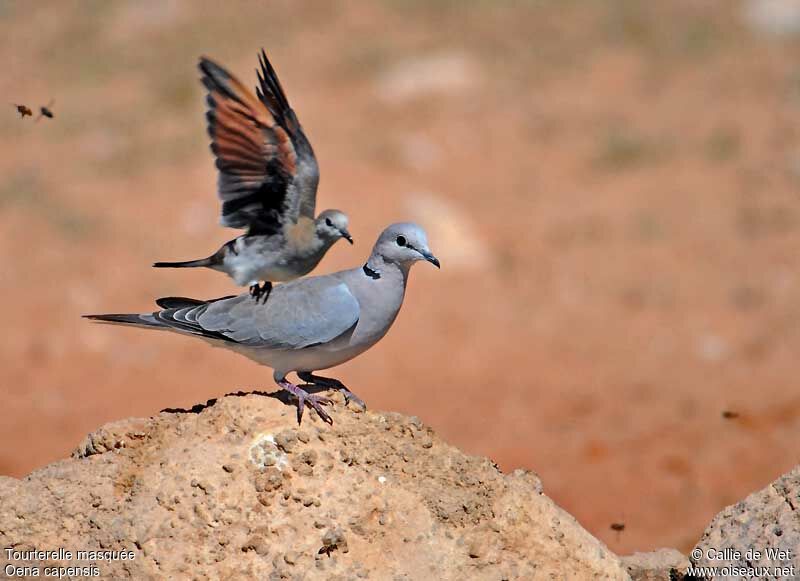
[302, 197]
[184, 319]
[180, 302]
[255, 155]
[181, 313]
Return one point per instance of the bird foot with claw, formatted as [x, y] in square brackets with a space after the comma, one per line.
[312, 400]
[350, 396]
[261, 290]
[330, 383]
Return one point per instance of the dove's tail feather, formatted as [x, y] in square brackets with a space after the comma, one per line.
[146, 320]
[186, 264]
[178, 314]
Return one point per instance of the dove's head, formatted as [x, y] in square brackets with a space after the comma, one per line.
[404, 243]
[332, 225]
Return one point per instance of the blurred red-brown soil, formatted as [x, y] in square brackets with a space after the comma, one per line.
[612, 188]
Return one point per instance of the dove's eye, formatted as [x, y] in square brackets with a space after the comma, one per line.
[328, 222]
[401, 240]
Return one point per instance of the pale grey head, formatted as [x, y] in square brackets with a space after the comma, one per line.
[404, 243]
[332, 225]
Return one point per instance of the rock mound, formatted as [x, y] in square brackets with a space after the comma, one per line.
[762, 533]
[235, 489]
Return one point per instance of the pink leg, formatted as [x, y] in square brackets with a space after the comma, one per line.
[303, 397]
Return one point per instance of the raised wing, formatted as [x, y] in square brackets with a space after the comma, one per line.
[267, 169]
[297, 315]
[303, 197]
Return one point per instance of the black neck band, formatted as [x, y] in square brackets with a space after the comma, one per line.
[374, 274]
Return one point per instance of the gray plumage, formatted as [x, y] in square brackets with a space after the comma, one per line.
[308, 324]
[268, 177]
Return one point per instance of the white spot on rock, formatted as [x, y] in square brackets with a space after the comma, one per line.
[264, 452]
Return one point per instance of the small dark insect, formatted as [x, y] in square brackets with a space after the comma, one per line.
[46, 111]
[729, 415]
[23, 110]
[327, 550]
[617, 527]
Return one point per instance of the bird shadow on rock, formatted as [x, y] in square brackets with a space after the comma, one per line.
[199, 408]
[282, 396]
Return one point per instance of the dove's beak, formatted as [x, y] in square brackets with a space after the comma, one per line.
[346, 235]
[430, 258]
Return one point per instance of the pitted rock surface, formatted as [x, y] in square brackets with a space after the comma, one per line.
[237, 490]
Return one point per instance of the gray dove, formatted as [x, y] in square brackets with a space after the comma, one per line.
[308, 324]
[267, 183]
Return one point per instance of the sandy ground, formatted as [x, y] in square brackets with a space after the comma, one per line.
[612, 188]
